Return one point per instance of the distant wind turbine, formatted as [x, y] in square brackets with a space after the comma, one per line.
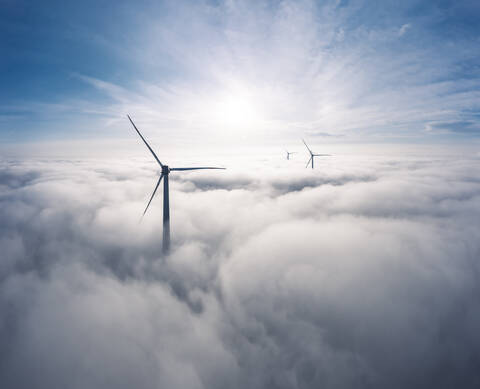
[312, 155]
[166, 201]
[290, 152]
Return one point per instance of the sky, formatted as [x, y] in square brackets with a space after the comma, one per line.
[254, 72]
[361, 273]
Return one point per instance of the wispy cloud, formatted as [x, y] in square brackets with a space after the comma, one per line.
[304, 65]
[459, 127]
[269, 68]
[404, 29]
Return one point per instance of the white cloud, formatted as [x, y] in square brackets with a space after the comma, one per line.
[278, 277]
[404, 29]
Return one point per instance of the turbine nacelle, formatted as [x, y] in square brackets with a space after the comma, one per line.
[165, 170]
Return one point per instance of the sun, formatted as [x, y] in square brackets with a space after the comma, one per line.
[236, 111]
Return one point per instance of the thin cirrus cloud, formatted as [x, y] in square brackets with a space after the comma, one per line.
[404, 29]
[303, 66]
[368, 72]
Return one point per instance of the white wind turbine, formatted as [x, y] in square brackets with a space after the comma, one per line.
[312, 155]
[290, 152]
[166, 201]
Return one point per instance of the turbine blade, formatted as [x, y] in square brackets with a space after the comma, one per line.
[310, 151]
[136, 129]
[153, 194]
[194, 168]
[309, 161]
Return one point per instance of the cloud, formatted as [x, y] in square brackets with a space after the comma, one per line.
[404, 29]
[304, 64]
[230, 69]
[362, 273]
[466, 127]
[326, 134]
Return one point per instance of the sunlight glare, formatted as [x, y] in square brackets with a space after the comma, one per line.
[236, 111]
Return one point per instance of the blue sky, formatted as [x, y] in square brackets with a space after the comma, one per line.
[339, 71]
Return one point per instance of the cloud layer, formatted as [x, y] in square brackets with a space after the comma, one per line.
[363, 273]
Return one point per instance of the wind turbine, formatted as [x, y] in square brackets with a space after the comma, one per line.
[312, 155]
[166, 201]
[290, 152]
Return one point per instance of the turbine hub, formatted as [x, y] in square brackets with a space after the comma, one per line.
[165, 169]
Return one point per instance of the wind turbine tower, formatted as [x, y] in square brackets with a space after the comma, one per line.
[166, 198]
[313, 155]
